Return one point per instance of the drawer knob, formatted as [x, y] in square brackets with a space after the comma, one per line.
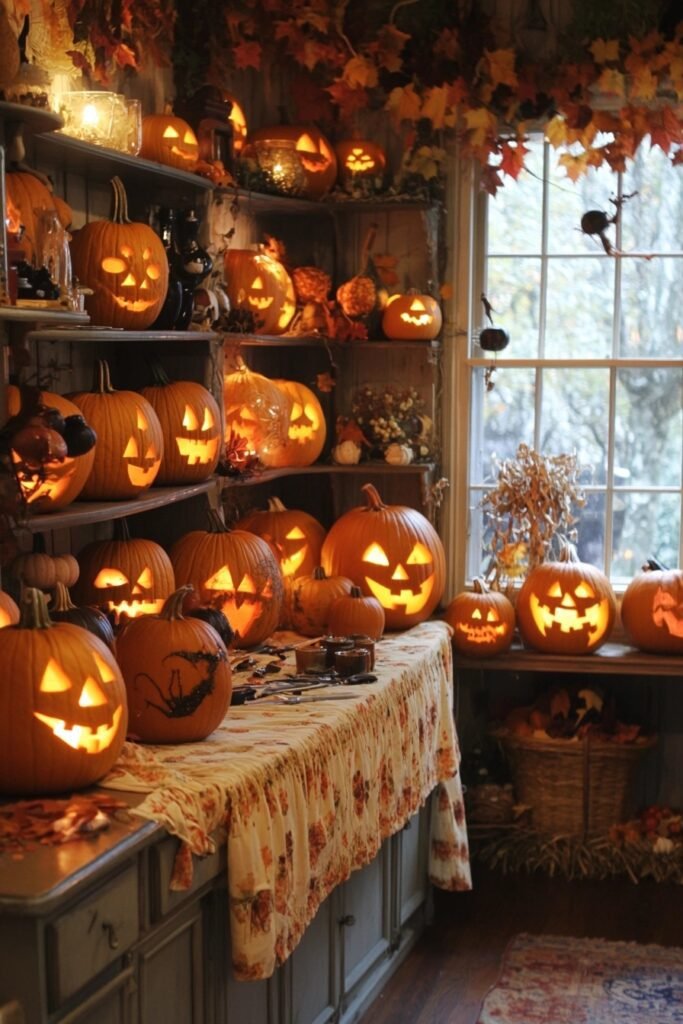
[110, 932]
[347, 920]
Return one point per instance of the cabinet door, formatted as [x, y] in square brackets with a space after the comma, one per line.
[253, 1002]
[413, 843]
[172, 972]
[366, 921]
[112, 1003]
[313, 981]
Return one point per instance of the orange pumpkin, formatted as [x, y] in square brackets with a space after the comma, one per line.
[412, 316]
[295, 536]
[62, 609]
[177, 675]
[256, 409]
[359, 160]
[312, 599]
[313, 151]
[258, 283]
[130, 442]
[235, 571]
[307, 430]
[31, 198]
[169, 140]
[652, 611]
[9, 611]
[126, 266]
[64, 703]
[356, 614]
[565, 606]
[391, 552]
[60, 482]
[483, 621]
[191, 426]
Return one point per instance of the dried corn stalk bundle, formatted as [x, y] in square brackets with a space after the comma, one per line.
[534, 500]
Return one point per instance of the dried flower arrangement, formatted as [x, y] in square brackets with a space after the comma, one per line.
[392, 415]
[533, 501]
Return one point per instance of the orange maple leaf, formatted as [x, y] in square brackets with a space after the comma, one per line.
[605, 51]
[348, 100]
[501, 67]
[480, 124]
[325, 382]
[556, 131]
[437, 108]
[360, 73]
[404, 103]
[390, 45]
[512, 158]
[574, 165]
[247, 55]
[643, 84]
[611, 81]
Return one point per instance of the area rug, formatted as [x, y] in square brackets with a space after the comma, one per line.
[548, 979]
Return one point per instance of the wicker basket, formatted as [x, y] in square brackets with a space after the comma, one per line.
[573, 787]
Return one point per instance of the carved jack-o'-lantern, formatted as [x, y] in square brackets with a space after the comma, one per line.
[256, 409]
[392, 552]
[130, 442]
[169, 140]
[483, 621]
[60, 482]
[652, 611]
[565, 606]
[412, 315]
[359, 159]
[312, 149]
[68, 705]
[126, 266]
[126, 577]
[306, 432]
[235, 571]
[190, 421]
[9, 612]
[260, 284]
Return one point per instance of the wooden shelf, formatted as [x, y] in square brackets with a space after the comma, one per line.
[82, 513]
[20, 314]
[374, 468]
[319, 341]
[265, 202]
[98, 161]
[108, 334]
[610, 659]
[32, 119]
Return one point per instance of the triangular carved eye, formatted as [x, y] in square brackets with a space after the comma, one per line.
[376, 554]
[305, 144]
[296, 533]
[420, 555]
[105, 670]
[190, 139]
[247, 585]
[583, 589]
[555, 590]
[170, 133]
[417, 306]
[257, 284]
[190, 421]
[132, 451]
[145, 579]
[91, 695]
[141, 420]
[221, 580]
[54, 679]
[109, 578]
[208, 422]
[476, 614]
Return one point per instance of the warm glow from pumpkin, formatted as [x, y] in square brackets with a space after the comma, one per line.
[667, 612]
[242, 605]
[570, 612]
[375, 553]
[480, 631]
[290, 563]
[170, 133]
[359, 162]
[410, 599]
[5, 618]
[196, 450]
[91, 739]
[138, 604]
[417, 314]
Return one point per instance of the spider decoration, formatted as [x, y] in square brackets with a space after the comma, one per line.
[491, 339]
[178, 704]
[596, 222]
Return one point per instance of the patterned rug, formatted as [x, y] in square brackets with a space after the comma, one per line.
[547, 979]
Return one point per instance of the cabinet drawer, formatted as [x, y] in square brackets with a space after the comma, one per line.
[88, 938]
[161, 861]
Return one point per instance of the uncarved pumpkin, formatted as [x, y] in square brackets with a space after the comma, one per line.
[482, 620]
[391, 552]
[356, 613]
[62, 609]
[259, 284]
[177, 675]
[191, 425]
[312, 599]
[652, 611]
[64, 705]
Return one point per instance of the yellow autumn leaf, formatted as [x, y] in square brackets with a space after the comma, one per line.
[643, 84]
[435, 106]
[480, 122]
[605, 50]
[611, 81]
[575, 166]
[359, 73]
[556, 131]
[502, 66]
[404, 103]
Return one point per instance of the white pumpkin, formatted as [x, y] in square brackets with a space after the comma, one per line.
[398, 454]
[346, 454]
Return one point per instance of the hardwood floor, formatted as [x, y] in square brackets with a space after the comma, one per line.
[446, 977]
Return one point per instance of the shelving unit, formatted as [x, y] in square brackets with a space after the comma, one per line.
[610, 659]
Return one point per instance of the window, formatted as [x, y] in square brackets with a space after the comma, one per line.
[595, 359]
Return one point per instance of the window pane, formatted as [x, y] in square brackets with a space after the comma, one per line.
[590, 527]
[513, 289]
[648, 448]
[651, 220]
[652, 308]
[579, 308]
[510, 228]
[574, 418]
[567, 203]
[645, 525]
[507, 420]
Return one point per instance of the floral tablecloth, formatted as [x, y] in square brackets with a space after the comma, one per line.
[307, 793]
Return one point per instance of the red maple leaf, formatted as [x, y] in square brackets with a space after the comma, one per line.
[247, 55]
[490, 180]
[512, 158]
[348, 100]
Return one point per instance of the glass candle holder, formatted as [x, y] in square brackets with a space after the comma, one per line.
[88, 115]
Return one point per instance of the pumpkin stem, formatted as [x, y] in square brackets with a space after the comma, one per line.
[160, 378]
[62, 599]
[173, 605]
[275, 505]
[368, 243]
[120, 214]
[103, 384]
[568, 552]
[355, 591]
[375, 503]
[216, 524]
[121, 529]
[319, 573]
[34, 613]
[479, 585]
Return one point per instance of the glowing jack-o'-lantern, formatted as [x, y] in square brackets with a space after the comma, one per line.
[565, 606]
[126, 576]
[306, 432]
[68, 704]
[482, 620]
[652, 610]
[260, 284]
[235, 571]
[256, 409]
[9, 612]
[412, 316]
[125, 265]
[391, 552]
[312, 149]
[60, 482]
[169, 140]
[359, 159]
[190, 422]
[130, 442]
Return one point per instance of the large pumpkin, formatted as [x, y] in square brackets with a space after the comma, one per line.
[60, 482]
[177, 675]
[169, 140]
[313, 152]
[191, 425]
[412, 316]
[130, 442]
[482, 620]
[307, 428]
[256, 409]
[235, 571]
[125, 576]
[31, 198]
[392, 552]
[652, 611]
[64, 705]
[259, 284]
[126, 266]
[565, 606]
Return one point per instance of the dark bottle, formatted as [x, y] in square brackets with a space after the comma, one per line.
[169, 314]
[194, 263]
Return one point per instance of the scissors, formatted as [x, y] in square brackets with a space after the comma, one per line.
[294, 699]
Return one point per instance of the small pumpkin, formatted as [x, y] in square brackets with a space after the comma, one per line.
[125, 265]
[356, 613]
[65, 705]
[652, 610]
[260, 284]
[191, 426]
[346, 453]
[306, 431]
[34, 569]
[482, 620]
[398, 454]
[169, 140]
[177, 675]
[66, 569]
[357, 296]
[93, 619]
[565, 606]
[130, 442]
[412, 316]
[359, 160]
[312, 599]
